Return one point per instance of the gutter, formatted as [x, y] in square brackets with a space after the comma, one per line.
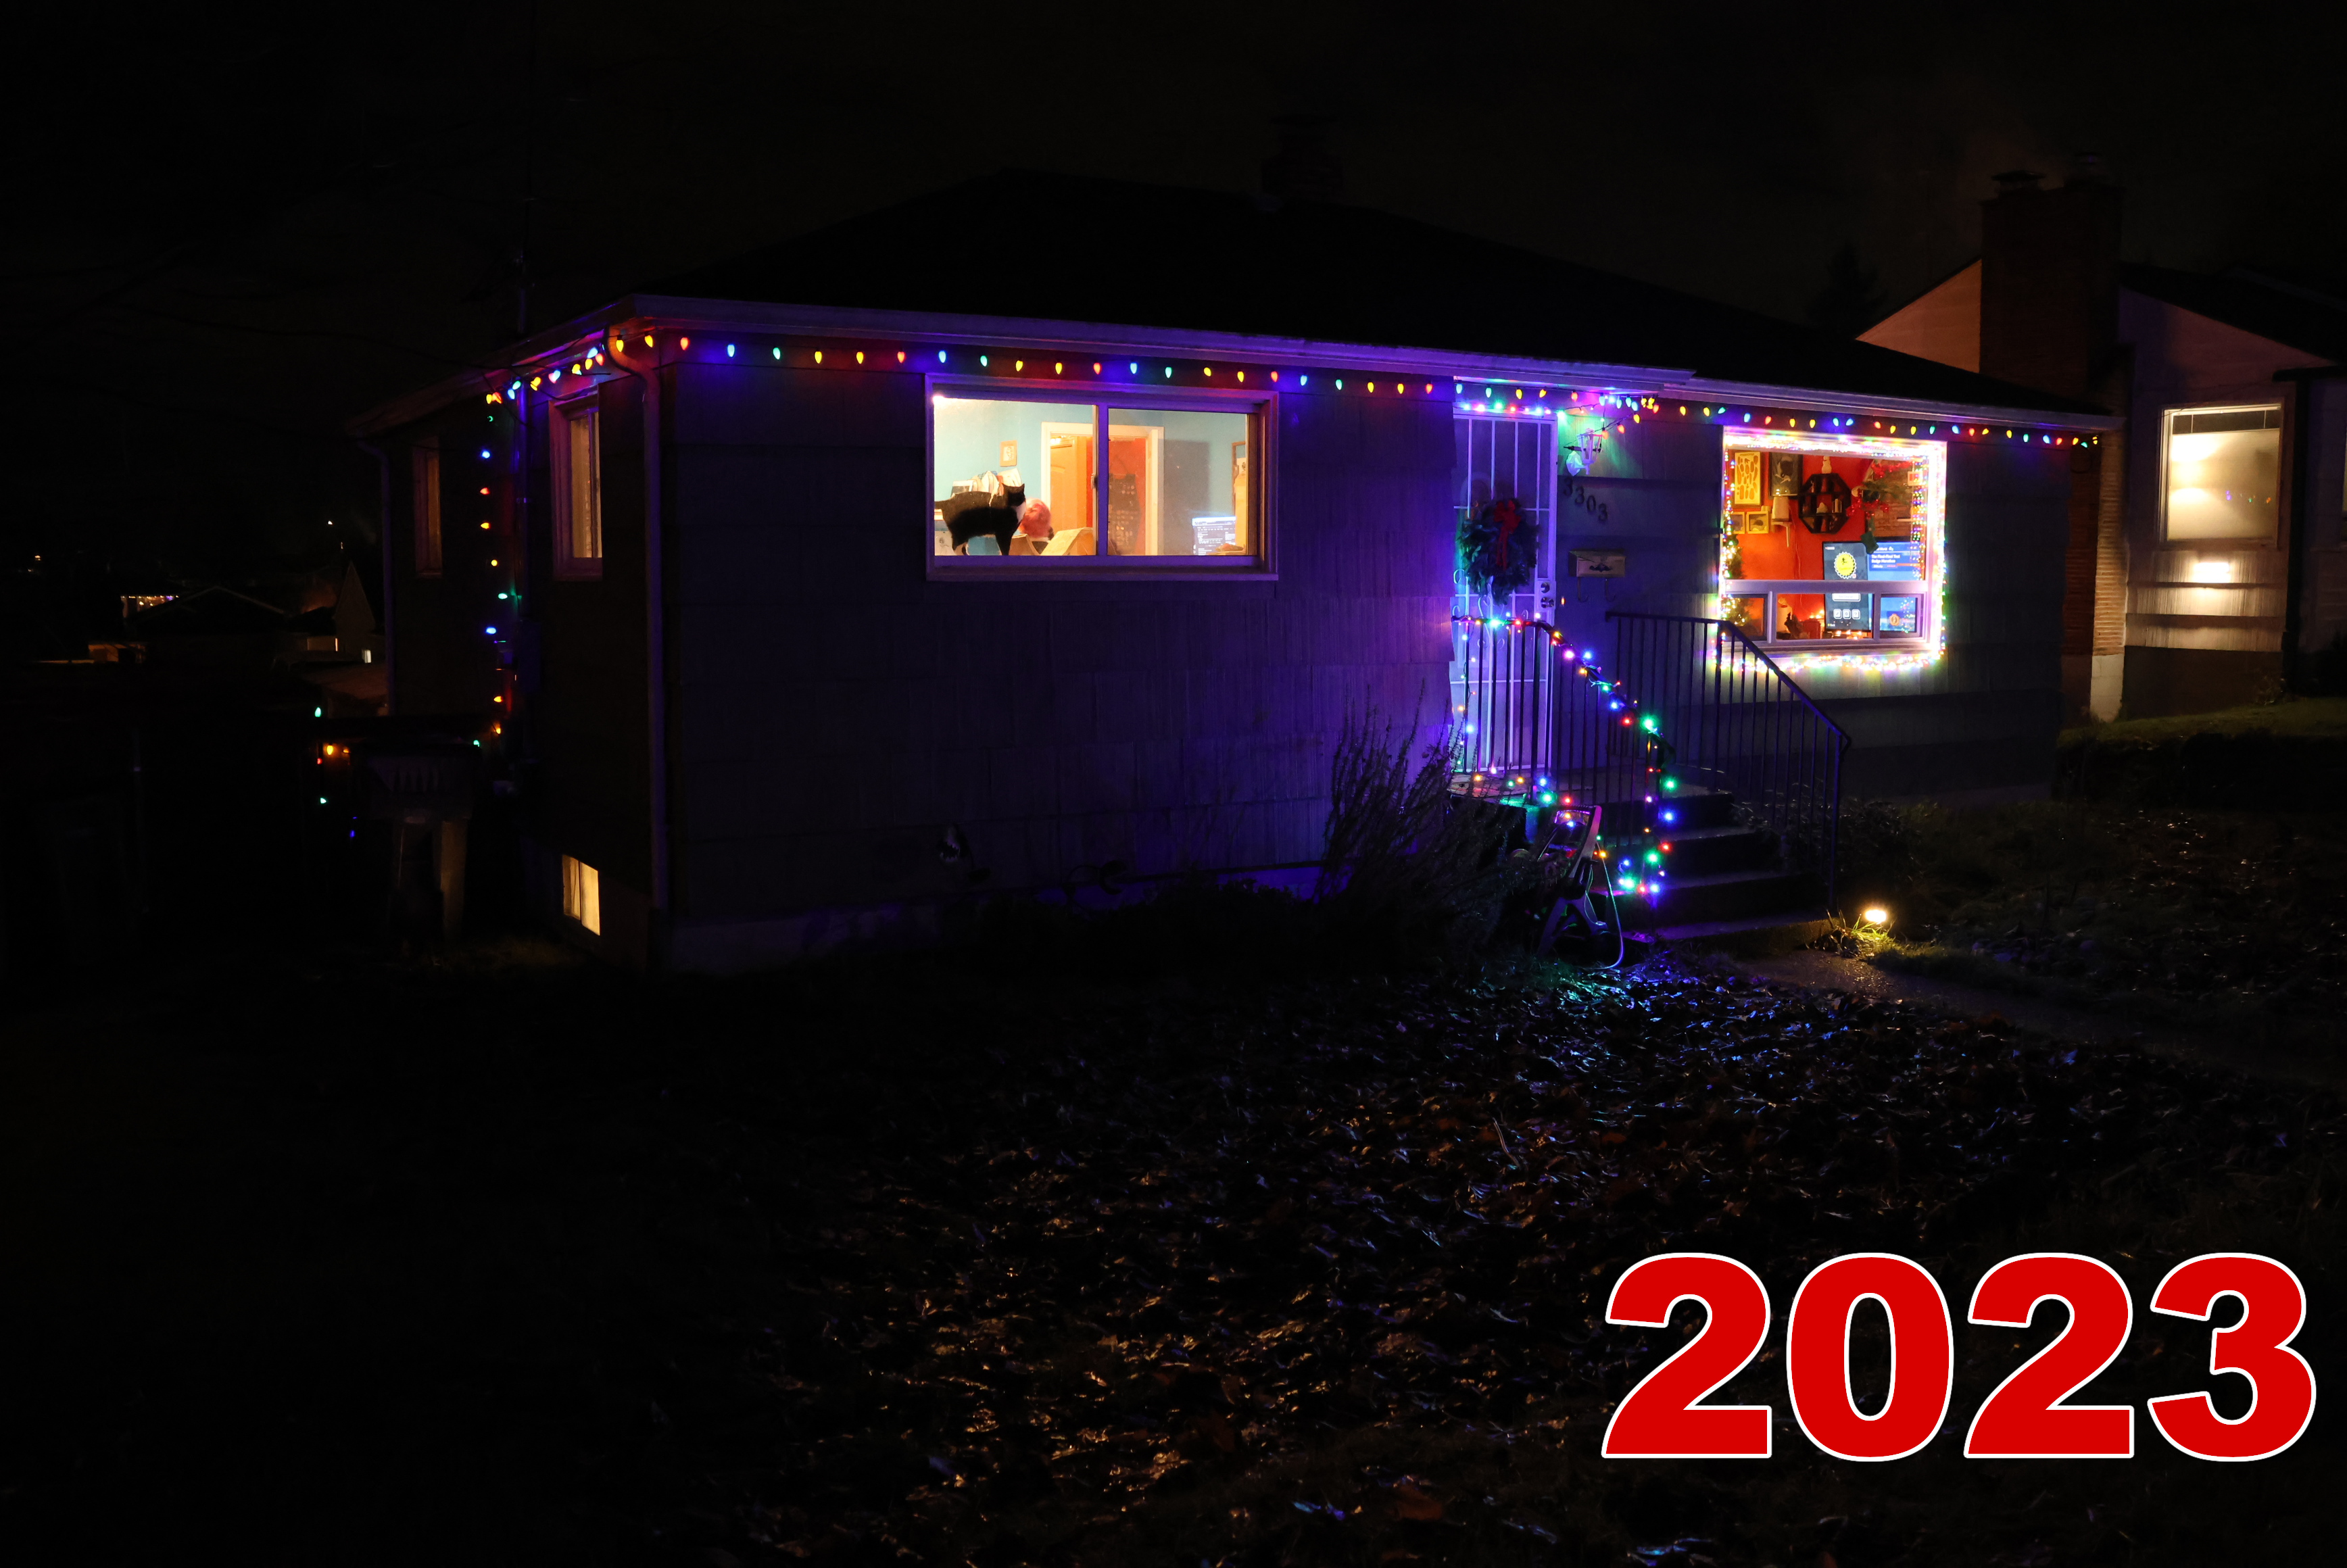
[1040, 336]
[655, 643]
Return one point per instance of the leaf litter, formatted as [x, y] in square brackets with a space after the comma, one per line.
[1134, 1281]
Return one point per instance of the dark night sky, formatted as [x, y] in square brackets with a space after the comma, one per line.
[229, 234]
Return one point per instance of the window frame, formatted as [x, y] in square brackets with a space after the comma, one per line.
[2271, 537]
[1261, 407]
[1927, 591]
[568, 564]
[428, 554]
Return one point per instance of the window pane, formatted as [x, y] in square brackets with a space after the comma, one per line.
[1801, 616]
[1011, 477]
[427, 511]
[2223, 473]
[1179, 483]
[1748, 612]
[1850, 615]
[585, 489]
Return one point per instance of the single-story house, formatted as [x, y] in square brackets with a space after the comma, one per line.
[2212, 569]
[802, 594]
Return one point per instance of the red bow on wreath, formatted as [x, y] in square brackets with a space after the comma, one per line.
[1508, 518]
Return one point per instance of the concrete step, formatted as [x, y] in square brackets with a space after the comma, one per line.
[1779, 931]
[1687, 809]
[1710, 850]
[1734, 896]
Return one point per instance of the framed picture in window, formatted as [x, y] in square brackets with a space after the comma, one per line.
[1746, 479]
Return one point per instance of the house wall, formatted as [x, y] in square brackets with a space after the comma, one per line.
[2323, 583]
[836, 712]
[1942, 324]
[584, 708]
[1982, 720]
[579, 711]
[2205, 620]
[442, 663]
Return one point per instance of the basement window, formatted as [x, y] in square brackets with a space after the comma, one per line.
[582, 893]
[2223, 472]
[1832, 543]
[1037, 485]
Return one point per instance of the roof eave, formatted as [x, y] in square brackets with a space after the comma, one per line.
[1041, 335]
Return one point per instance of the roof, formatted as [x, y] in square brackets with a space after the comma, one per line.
[2299, 318]
[1061, 247]
[217, 610]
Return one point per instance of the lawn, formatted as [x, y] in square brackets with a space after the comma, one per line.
[2233, 923]
[2323, 717]
[1240, 1259]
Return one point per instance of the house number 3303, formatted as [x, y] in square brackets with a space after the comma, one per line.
[2028, 1416]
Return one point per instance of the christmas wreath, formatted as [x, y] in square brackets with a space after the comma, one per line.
[1497, 547]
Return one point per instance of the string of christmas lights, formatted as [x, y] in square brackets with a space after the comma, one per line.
[1647, 869]
[1495, 398]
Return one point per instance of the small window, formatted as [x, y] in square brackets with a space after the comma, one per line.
[2224, 472]
[582, 895]
[577, 492]
[1062, 481]
[427, 511]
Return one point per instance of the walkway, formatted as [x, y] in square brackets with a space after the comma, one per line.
[1825, 971]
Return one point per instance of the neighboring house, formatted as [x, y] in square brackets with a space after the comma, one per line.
[723, 569]
[2214, 568]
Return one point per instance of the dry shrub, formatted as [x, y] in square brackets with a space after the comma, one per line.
[1409, 868]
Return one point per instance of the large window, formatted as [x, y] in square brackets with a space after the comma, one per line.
[1827, 541]
[578, 462]
[426, 474]
[1060, 482]
[2224, 470]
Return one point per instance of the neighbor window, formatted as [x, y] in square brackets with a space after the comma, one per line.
[427, 511]
[1830, 540]
[582, 895]
[577, 492]
[2224, 469]
[1060, 481]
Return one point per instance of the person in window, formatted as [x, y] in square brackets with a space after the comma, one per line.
[1034, 530]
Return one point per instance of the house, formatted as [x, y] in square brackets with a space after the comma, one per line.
[743, 573]
[2213, 570]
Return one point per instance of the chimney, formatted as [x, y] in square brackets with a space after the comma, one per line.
[2049, 280]
[1303, 169]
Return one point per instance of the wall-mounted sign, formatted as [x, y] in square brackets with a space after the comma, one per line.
[1847, 562]
[1898, 615]
[1849, 613]
[1600, 563]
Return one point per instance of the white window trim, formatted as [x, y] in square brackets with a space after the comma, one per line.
[1262, 485]
[566, 566]
[1927, 590]
[2271, 537]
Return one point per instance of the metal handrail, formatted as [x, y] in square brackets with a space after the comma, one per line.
[1738, 722]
